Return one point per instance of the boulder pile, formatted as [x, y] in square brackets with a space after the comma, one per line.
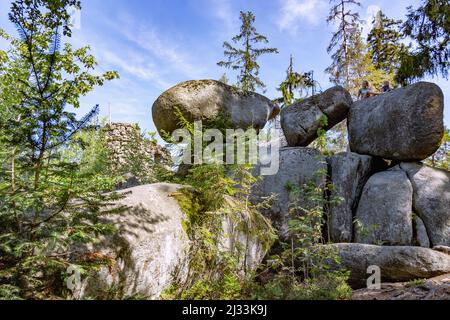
[394, 213]
[394, 208]
[151, 249]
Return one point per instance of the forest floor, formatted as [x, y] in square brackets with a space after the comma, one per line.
[433, 289]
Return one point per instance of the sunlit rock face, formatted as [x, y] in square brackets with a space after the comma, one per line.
[406, 124]
[212, 102]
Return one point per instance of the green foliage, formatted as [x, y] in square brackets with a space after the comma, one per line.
[362, 67]
[51, 192]
[301, 268]
[348, 22]
[295, 82]
[429, 27]
[415, 283]
[218, 196]
[245, 59]
[215, 271]
[384, 41]
[441, 158]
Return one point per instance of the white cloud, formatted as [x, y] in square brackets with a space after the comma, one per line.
[135, 65]
[222, 10]
[295, 11]
[371, 13]
[171, 53]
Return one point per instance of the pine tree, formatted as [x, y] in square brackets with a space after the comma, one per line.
[429, 28]
[362, 66]
[348, 22]
[384, 43]
[296, 83]
[245, 58]
[48, 204]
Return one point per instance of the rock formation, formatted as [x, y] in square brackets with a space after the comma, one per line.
[384, 214]
[298, 166]
[209, 101]
[151, 249]
[396, 263]
[394, 208]
[431, 200]
[348, 172]
[405, 124]
[302, 120]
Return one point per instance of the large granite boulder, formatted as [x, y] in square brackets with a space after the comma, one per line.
[405, 124]
[397, 263]
[348, 173]
[431, 200]
[151, 249]
[298, 166]
[208, 101]
[384, 213]
[301, 121]
[420, 233]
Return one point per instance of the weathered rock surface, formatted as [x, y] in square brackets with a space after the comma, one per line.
[405, 124]
[384, 212]
[437, 288]
[431, 200]
[421, 235]
[348, 172]
[298, 166]
[148, 249]
[301, 120]
[207, 100]
[151, 248]
[397, 263]
[443, 249]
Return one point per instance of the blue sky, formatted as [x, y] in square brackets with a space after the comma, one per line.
[156, 44]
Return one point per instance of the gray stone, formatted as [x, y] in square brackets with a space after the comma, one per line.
[301, 120]
[298, 166]
[384, 213]
[421, 233]
[405, 124]
[397, 263]
[348, 172]
[129, 181]
[207, 100]
[151, 249]
[431, 200]
[443, 249]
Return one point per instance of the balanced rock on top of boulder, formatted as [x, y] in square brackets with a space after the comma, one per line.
[208, 100]
[301, 120]
[406, 124]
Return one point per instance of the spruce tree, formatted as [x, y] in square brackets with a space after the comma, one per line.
[348, 22]
[429, 28]
[48, 204]
[384, 43]
[296, 83]
[244, 58]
